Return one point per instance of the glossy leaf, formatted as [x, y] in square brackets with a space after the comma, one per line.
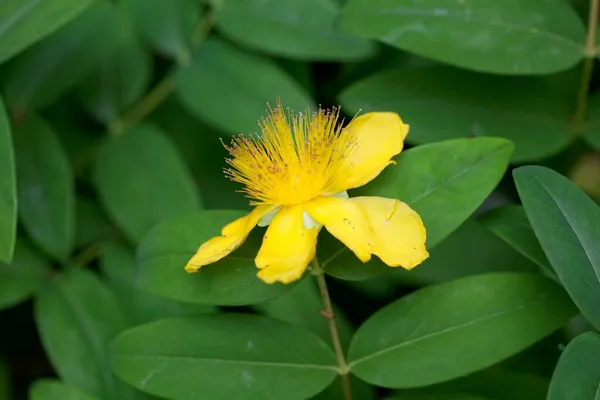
[441, 103]
[298, 29]
[226, 356]
[452, 329]
[232, 281]
[48, 69]
[50, 389]
[22, 277]
[118, 263]
[142, 180]
[566, 223]
[46, 188]
[510, 223]
[77, 316]
[167, 26]
[24, 22]
[8, 190]
[230, 88]
[577, 375]
[506, 37]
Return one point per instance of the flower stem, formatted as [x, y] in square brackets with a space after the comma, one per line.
[328, 313]
[588, 67]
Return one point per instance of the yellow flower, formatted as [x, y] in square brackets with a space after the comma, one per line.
[297, 174]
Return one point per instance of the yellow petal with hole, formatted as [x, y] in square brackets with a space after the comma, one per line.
[398, 233]
[377, 137]
[232, 237]
[346, 221]
[287, 247]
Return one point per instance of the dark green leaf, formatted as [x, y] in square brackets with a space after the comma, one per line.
[230, 88]
[46, 188]
[167, 25]
[22, 277]
[8, 190]
[47, 70]
[449, 330]
[77, 316]
[437, 396]
[510, 223]
[232, 281]
[592, 127]
[91, 223]
[299, 29]
[566, 223]
[223, 356]
[505, 37]
[50, 389]
[577, 376]
[441, 103]
[142, 180]
[118, 263]
[5, 387]
[24, 22]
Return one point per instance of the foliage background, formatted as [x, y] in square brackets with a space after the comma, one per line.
[110, 144]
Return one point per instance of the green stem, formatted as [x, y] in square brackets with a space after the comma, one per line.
[328, 313]
[588, 67]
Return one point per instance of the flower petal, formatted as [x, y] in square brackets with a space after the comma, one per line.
[346, 221]
[287, 247]
[232, 236]
[398, 232]
[376, 138]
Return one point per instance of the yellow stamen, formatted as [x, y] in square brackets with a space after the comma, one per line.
[296, 159]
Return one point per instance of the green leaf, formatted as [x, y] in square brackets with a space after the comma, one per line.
[51, 389]
[121, 77]
[77, 316]
[444, 190]
[118, 263]
[45, 71]
[92, 225]
[230, 88]
[24, 22]
[231, 281]
[577, 375]
[526, 111]
[223, 356]
[8, 190]
[566, 223]
[449, 330]
[504, 37]
[167, 25]
[437, 396]
[142, 180]
[22, 277]
[510, 223]
[298, 29]
[46, 188]
[591, 131]
[5, 386]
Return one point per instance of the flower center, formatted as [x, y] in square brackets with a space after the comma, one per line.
[296, 159]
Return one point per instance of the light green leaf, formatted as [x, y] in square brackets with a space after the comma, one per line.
[24, 22]
[298, 29]
[504, 37]
[452, 329]
[51, 389]
[230, 88]
[226, 356]
[118, 263]
[47, 70]
[46, 188]
[142, 180]
[22, 277]
[77, 316]
[166, 250]
[566, 223]
[440, 103]
[167, 25]
[8, 190]
[577, 376]
[510, 223]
